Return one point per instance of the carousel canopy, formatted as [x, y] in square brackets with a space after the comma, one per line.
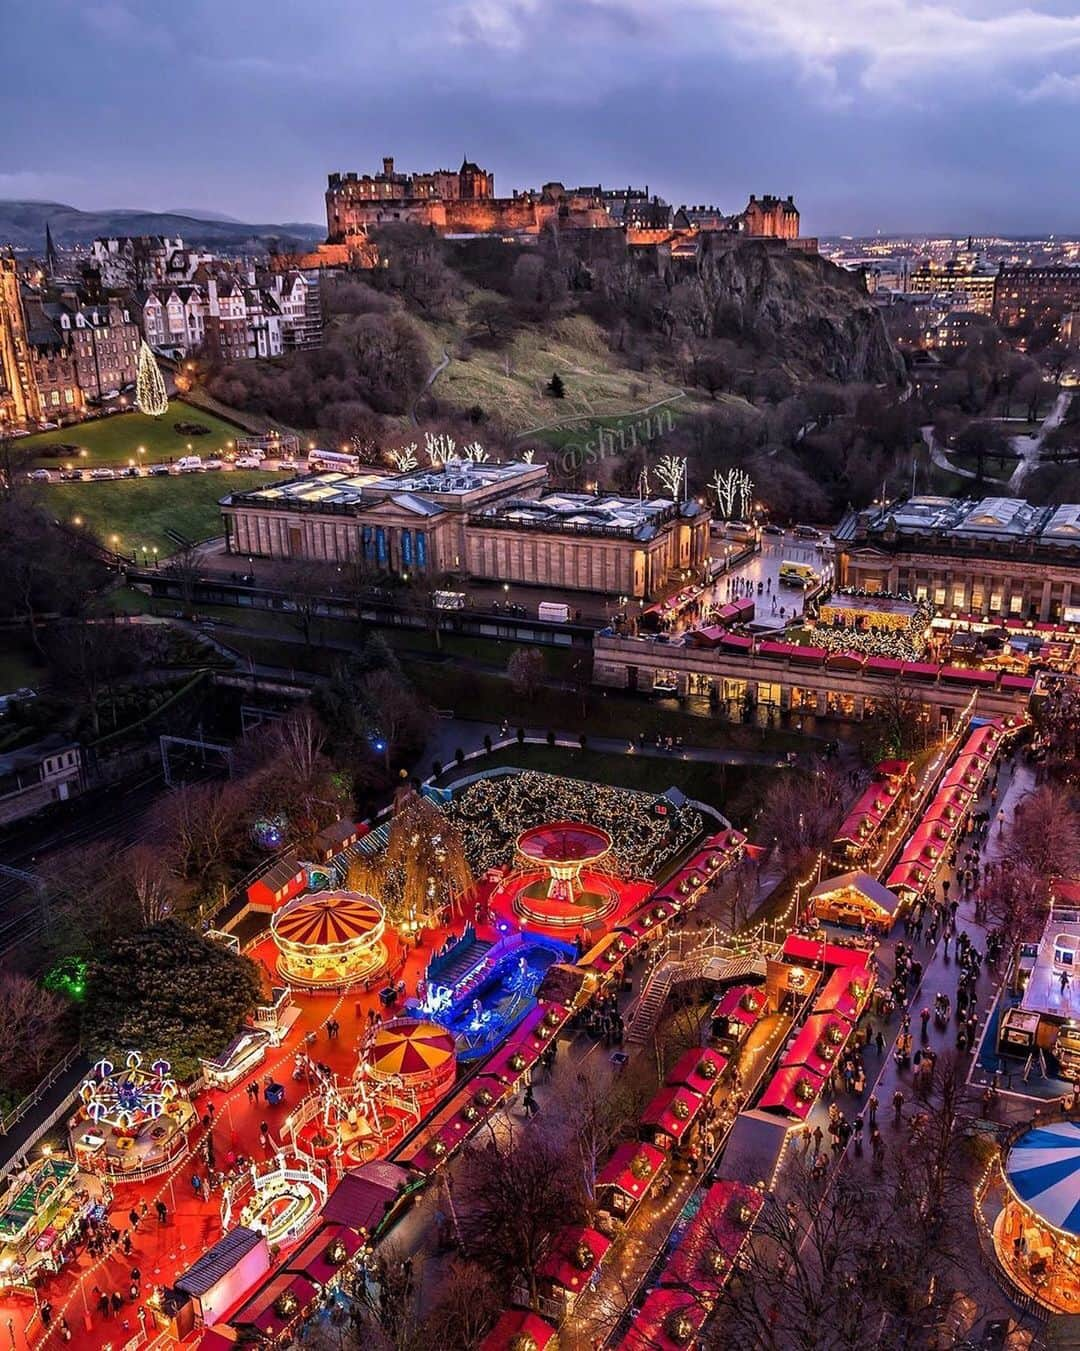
[564, 842]
[329, 918]
[1043, 1169]
[411, 1047]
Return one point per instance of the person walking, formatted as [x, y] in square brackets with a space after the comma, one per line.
[872, 1110]
[529, 1102]
[898, 1106]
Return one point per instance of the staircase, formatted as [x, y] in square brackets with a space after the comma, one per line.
[707, 963]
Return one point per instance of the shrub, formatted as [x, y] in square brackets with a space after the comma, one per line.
[459, 756]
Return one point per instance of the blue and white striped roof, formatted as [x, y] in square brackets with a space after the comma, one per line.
[1043, 1169]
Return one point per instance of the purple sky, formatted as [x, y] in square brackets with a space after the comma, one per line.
[876, 114]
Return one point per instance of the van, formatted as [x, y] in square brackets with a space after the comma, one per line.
[797, 574]
[189, 464]
[552, 612]
[247, 462]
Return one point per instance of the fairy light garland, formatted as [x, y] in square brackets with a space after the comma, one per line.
[150, 393]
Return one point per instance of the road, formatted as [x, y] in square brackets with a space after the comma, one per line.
[763, 568]
[1029, 448]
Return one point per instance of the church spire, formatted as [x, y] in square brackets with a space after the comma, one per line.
[52, 261]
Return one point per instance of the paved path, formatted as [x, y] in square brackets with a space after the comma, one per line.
[1029, 448]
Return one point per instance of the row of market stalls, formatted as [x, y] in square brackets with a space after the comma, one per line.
[634, 1170]
[944, 819]
[718, 854]
[872, 814]
[843, 991]
[676, 1307]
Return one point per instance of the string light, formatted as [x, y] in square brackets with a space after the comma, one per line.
[150, 394]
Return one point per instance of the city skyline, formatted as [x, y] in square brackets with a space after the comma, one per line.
[895, 117]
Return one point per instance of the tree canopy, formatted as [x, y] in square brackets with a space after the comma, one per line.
[167, 991]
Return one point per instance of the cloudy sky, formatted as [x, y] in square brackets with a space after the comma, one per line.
[937, 115]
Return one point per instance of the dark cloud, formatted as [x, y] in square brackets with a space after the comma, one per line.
[886, 114]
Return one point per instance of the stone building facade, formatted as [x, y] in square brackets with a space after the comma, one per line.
[490, 521]
[998, 558]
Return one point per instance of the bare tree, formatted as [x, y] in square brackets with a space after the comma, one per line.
[32, 1019]
[801, 813]
[527, 671]
[511, 1201]
[1044, 837]
[468, 1303]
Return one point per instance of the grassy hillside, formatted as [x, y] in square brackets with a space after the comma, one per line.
[511, 381]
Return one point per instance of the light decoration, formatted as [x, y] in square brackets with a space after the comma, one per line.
[527, 456]
[734, 486]
[475, 453]
[671, 471]
[404, 458]
[439, 449]
[150, 394]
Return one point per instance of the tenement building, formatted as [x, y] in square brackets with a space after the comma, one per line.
[999, 558]
[489, 521]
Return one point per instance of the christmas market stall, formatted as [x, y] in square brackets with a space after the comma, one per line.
[330, 940]
[792, 1091]
[625, 1179]
[520, 1330]
[854, 900]
[222, 1275]
[670, 1116]
[42, 1209]
[572, 1263]
[734, 1015]
[132, 1120]
[699, 1069]
[668, 1320]
[273, 1313]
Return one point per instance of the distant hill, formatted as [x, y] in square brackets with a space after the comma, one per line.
[22, 225]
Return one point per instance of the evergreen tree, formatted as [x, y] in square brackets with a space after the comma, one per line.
[150, 393]
[555, 387]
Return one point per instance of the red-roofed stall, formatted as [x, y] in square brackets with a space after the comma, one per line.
[574, 1257]
[517, 1329]
[699, 1069]
[668, 1118]
[627, 1176]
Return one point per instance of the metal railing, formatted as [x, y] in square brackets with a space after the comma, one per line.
[31, 1100]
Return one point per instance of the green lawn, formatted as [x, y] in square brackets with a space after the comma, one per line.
[137, 511]
[116, 440]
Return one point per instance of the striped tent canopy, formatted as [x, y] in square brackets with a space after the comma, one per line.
[1043, 1169]
[410, 1047]
[330, 918]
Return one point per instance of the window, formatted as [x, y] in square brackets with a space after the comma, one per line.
[995, 600]
[1016, 603]
[939, 596]
[958, 597]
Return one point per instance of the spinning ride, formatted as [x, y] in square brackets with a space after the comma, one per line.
[330, 940]
[355, 1122]
[561, 885]
[130, 1120]
[416, 1054]
[281, 1199]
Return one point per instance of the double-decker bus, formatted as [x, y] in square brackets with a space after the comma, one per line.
[332, 459]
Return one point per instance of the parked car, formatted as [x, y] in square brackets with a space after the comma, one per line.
[248, 462]
[130, 472]
[71, 475]
[39, 476]
[158, 469]
[213, 464]
[287, 462]
[771, 529]
[103, 473]
[807, 532]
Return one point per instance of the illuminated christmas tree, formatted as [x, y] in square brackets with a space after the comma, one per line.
[150, 393]
[423, 873]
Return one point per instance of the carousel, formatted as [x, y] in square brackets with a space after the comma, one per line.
[330, 940]
[132, 1120]
[414, 1054]
[559, 882]
[1037, 1234]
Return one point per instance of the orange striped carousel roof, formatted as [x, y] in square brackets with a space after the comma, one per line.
[328, 918]
[410, 1046]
